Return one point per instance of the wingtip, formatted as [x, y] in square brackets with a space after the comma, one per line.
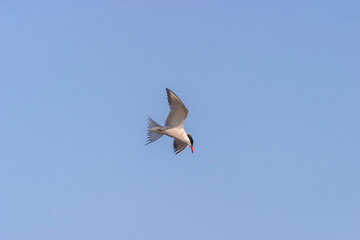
[168, 91]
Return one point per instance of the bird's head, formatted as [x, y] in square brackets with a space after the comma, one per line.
[191, 142]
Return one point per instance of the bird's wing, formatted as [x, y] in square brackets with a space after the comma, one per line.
[179, 146]
[178, 111]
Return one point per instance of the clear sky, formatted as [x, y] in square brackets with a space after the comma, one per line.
[273, 92]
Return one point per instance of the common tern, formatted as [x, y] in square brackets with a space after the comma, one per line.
[174, 125]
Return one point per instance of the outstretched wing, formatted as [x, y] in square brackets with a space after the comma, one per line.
[178, 111]
[179, 146]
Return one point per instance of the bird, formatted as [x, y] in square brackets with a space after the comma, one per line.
[174, 125]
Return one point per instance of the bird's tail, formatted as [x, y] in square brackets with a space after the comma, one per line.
[152, 135]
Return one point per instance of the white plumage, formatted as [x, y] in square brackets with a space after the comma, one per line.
[174, 125]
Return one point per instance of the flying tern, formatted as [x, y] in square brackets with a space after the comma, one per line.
[174, 125]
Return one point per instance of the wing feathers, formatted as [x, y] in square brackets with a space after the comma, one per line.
[178, 111]
[179, 146]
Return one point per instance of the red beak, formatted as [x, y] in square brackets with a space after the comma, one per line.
[192, 150]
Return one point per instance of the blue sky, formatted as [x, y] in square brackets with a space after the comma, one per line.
[273, 92]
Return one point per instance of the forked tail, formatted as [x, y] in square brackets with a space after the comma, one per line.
[151, 135]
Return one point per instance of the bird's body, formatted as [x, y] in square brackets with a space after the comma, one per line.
[174, 132]
[174, 125]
